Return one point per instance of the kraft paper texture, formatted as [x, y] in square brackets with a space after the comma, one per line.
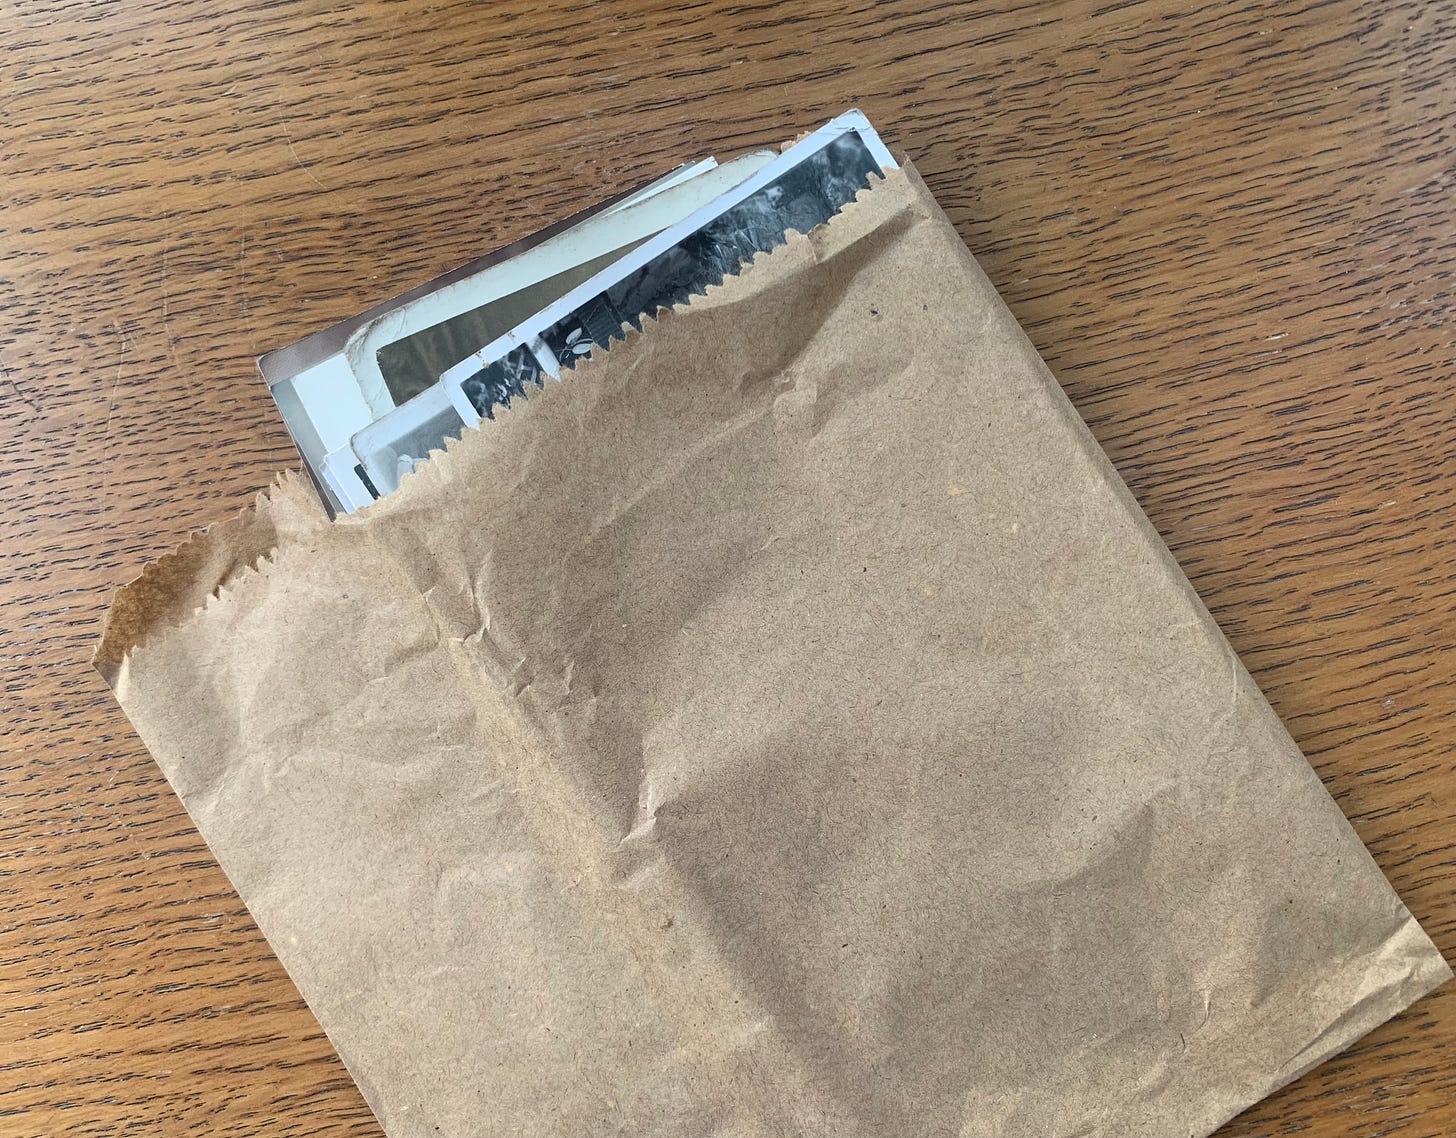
[788, 724]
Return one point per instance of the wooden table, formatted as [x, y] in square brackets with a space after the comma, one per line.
[1229, 229]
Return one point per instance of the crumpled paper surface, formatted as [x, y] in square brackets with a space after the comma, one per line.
[787, 725]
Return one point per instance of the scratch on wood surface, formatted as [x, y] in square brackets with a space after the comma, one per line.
[167, 307]
[106, 483]
[244, 301]
[14, 385]
[302, 165]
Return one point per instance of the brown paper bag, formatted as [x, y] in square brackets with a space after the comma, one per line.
[787, 725]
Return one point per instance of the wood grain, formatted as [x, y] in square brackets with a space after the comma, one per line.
[1228, 228]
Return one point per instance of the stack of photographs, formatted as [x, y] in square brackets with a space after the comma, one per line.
[369, 399]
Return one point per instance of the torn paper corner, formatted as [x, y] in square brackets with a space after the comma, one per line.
[169, 590]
